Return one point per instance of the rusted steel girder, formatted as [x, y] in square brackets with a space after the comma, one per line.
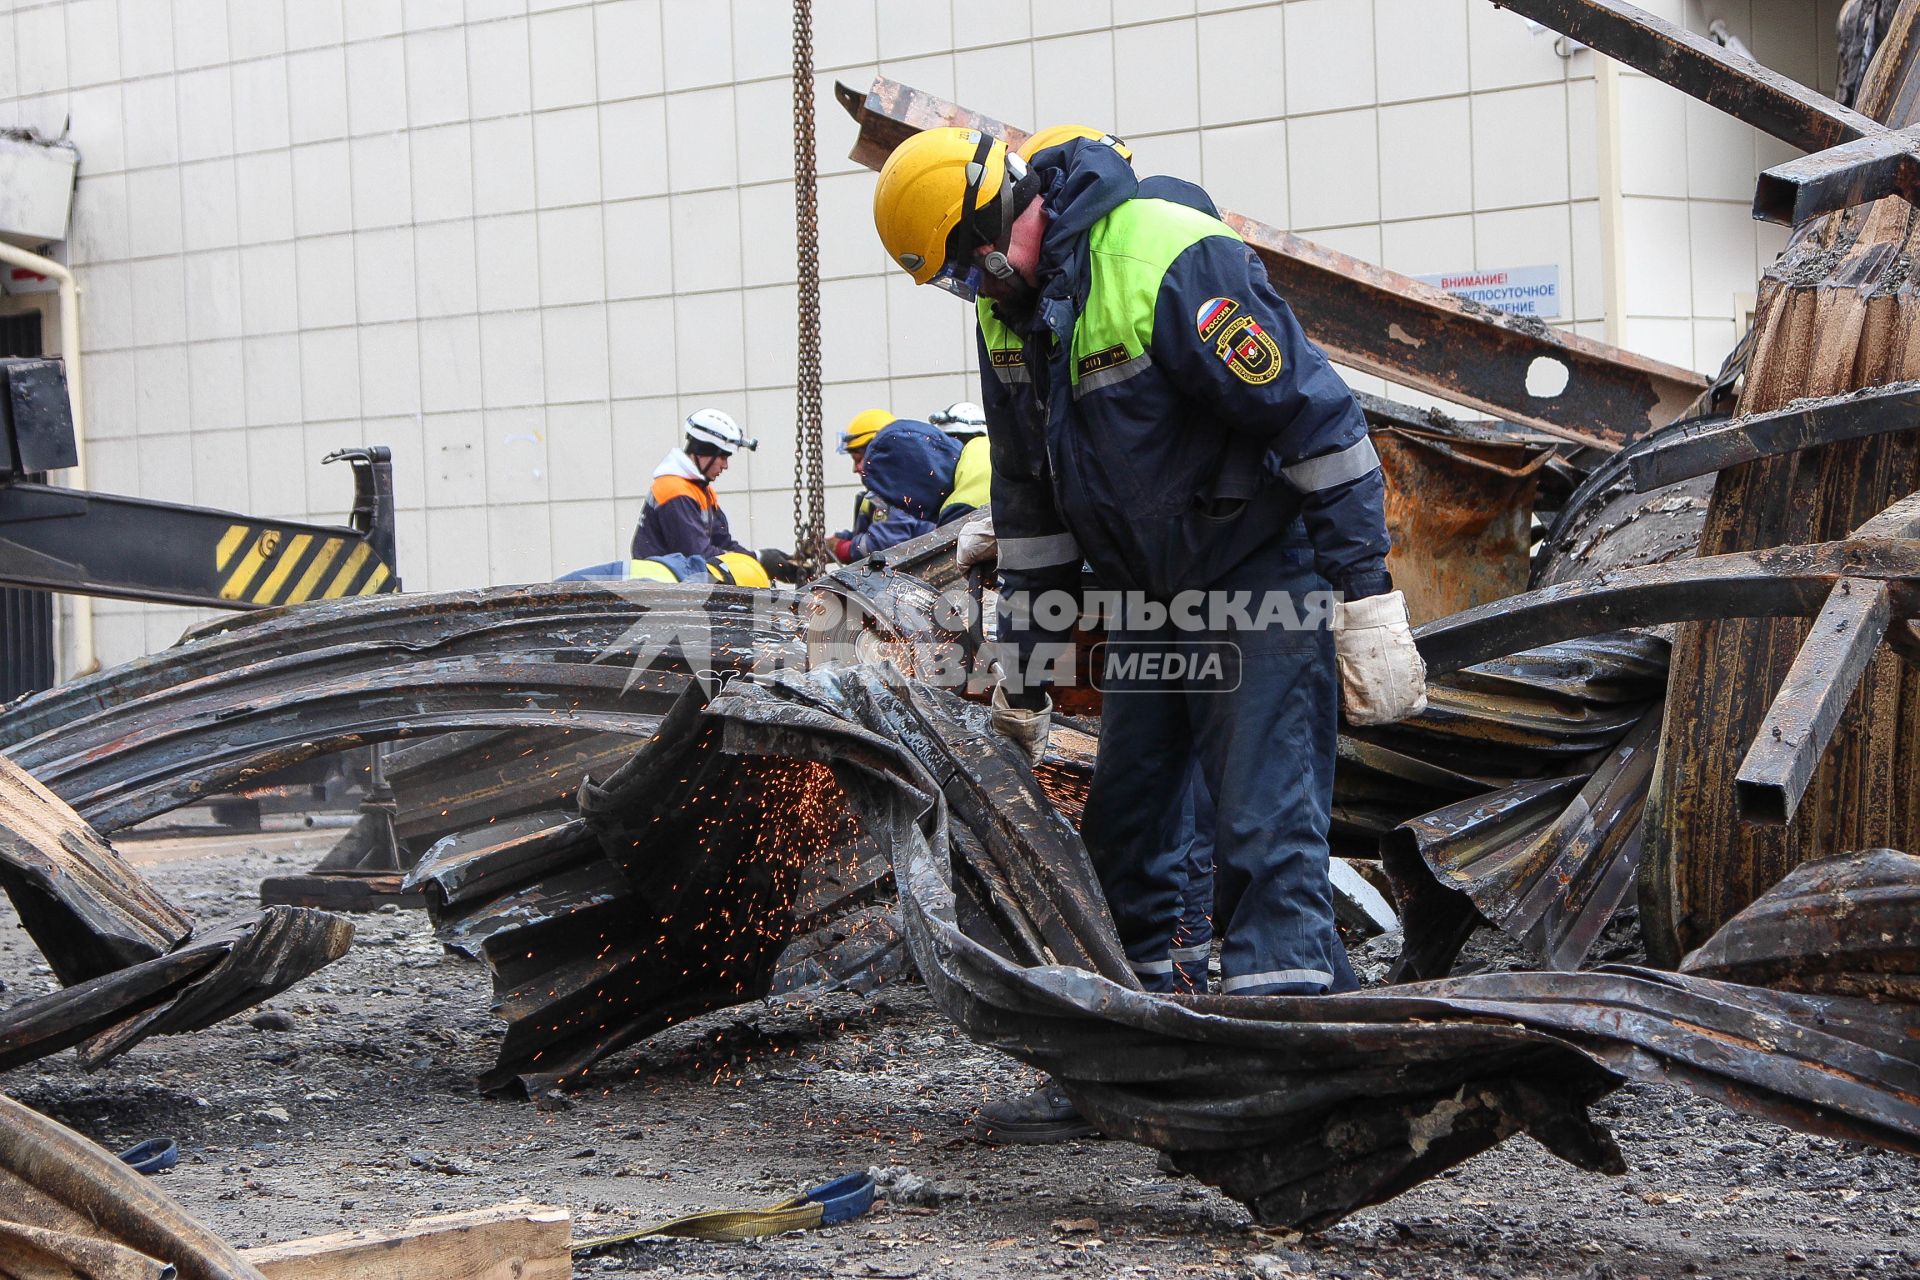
[1836, 313]
[1714, 446]
[1771, 583]
[1386, 323]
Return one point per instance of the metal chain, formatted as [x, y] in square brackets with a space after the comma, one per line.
[809, 462]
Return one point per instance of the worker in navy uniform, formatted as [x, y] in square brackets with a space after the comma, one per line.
[1193, 930]
[926, 475]
[876, 526]
[1156, 411]
[682, 515]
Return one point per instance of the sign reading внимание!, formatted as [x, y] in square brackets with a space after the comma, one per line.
[1523, 291]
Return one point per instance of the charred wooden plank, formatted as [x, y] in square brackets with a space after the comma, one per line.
[97, 1196]
[88, 911]
[1836, 312]
[205, 980]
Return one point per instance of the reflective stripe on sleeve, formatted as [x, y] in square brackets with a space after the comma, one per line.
[1331, 469]
[1118, 373]
[1038, 553]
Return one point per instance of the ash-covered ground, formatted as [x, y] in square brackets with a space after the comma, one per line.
[353, 1105]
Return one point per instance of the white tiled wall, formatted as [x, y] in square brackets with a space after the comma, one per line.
[517, 240]
[1687, 175]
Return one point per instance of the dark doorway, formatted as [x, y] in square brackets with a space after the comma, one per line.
[26, 617]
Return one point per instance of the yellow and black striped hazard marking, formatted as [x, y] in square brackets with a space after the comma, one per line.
[261, 565]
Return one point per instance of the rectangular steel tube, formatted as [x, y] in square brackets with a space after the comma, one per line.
[1854, 173]
[1800, 724]
[1697, 66]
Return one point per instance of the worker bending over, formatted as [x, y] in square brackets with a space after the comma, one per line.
[876, 526]
[926, 475]
[1156, 412]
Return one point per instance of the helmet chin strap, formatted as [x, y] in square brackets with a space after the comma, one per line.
[1020, 189]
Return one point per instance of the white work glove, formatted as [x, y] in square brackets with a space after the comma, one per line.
[1026, 729]
[1382, 676]
[977, 544]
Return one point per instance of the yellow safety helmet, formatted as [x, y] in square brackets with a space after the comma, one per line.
[866, 424]
[739, 568]
[941, 195]
[1059, 133]
[649, 571]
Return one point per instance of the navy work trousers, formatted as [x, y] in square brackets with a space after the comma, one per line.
[1264, 752]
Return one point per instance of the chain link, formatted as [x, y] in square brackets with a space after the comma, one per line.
[809, 461]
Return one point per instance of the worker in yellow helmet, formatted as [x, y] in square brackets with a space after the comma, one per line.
[735, 568]
[1056, 135]
[1159, 417]
[875, 525]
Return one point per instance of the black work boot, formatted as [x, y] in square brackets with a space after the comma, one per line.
[1044, 1114]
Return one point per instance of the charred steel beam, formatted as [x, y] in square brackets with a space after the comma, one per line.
[1857, 172]
[1772, 582]
[1842, 925]
[1805, 712]
[1857, 159]
[587, 618]
[1696, 65]
[228, 734]
[1386, 323]
[1717, 446]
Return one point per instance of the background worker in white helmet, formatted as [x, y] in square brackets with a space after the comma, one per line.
[1158, 416]
[682, 515]
[963, 420]
[877, 525]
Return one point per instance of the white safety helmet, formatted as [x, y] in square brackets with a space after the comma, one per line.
[712, 427]
[963, 418]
